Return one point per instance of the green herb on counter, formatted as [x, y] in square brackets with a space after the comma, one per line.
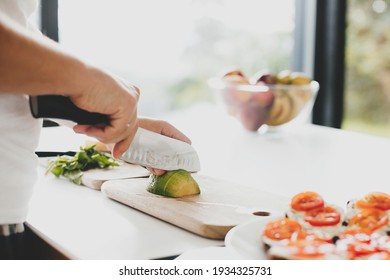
[73, 167]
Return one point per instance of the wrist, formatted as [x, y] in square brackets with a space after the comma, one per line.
[80, 78]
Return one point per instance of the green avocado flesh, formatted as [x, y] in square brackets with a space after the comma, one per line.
[175, 183]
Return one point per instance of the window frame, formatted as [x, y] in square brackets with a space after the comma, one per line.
[329, 62]
[49, 19]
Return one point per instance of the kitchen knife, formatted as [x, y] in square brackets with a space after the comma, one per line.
[61, 107]
[148, 148]
[151, 149]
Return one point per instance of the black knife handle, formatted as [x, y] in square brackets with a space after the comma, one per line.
[61, 107]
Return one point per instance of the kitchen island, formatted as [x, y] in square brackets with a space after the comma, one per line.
[82, 223]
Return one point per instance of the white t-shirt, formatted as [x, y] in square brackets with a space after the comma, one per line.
[19, 137]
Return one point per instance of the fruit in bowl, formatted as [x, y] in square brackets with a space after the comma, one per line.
[234, 97]
[266, 98]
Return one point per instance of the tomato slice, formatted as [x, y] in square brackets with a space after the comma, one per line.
[376, 200]
[380, 256]
[358, 242]
[363, 243]
[306, 201]
[311, 249]
[327, 216]
[384, 242]
[369, 219]
[284, 229]
[359, 249]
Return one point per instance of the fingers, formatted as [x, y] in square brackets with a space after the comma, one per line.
[164, 128]
[121, 147]
[118, 133]
[108, 134]
[172, 132]
[81, 129]
[157, 172]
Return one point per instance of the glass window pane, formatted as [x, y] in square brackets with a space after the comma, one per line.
[170, 48]
[367, 103]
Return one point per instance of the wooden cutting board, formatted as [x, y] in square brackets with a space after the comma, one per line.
[94, 178]
[220, 206]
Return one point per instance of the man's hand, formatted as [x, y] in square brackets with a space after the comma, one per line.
[112, 97]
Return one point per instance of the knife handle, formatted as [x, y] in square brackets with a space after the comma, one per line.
[61, 107]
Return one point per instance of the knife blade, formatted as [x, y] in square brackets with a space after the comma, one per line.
[148, 148]
[151, 149]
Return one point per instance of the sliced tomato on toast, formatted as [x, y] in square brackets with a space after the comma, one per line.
[360, 243]
[284, 229]
[305, 250]
[375, 200]
[369, 219]
[327, 216]
[306, 201]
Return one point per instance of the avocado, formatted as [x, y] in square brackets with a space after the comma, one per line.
[175, 183]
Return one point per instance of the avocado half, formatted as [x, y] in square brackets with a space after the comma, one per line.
[177, 183]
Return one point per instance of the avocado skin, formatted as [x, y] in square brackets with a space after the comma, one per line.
[177, 183]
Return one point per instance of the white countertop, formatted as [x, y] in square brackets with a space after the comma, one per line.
[83, 224]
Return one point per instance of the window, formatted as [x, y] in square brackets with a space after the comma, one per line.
[367, 100]
[171, 48]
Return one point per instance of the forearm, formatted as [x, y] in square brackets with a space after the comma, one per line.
[36, 65]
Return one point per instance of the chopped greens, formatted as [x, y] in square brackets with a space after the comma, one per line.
[73, 167]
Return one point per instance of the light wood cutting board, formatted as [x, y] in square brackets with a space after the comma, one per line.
[220, 206]
[94, 178]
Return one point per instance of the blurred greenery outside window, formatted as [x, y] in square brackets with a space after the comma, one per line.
[367, 84]
[171, 48]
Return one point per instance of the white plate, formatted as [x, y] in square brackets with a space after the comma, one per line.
[245, 239]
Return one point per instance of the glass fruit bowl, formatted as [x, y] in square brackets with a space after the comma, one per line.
[266, 101]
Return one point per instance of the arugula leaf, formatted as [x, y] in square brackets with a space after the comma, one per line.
[72, 167]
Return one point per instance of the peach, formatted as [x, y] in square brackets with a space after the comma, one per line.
[263, 77]
[253, 116]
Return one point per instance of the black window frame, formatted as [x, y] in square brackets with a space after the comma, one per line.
[49, 27]
[329, 62]
[49, 19]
